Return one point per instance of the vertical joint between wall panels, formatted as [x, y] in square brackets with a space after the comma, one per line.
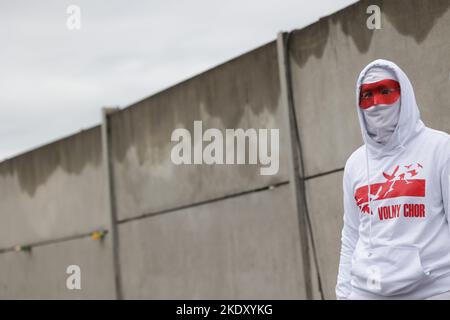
[111, 198]
[296, 170]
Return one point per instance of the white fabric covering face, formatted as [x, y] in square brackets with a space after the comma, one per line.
[381, 120]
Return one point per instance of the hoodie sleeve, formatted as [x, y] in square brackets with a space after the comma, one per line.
[349, 238]
[445, 184]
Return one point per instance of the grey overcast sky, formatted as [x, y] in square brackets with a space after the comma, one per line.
[54, 81]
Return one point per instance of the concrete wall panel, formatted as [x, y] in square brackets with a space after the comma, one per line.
[54, 191]
[41, 274]
[324, 198]
[240, 248]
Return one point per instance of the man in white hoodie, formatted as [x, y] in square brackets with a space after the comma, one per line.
[396, 234]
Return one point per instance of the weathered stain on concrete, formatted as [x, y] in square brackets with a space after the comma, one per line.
[72, 154]
[248, 82]
[313, 39]
[415, 18]
[353, 22]
[310, 41]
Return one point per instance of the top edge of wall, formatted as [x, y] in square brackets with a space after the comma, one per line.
[197, 75]
[47, 144]
[325, 18]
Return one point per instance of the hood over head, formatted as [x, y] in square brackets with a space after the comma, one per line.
[380, 101]
[409, 123]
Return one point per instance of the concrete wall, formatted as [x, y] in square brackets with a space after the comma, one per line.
[45, 192]
[222, 231]
[52, 198]
[41, 274]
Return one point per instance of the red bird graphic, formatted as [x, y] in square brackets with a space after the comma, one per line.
[390, 177]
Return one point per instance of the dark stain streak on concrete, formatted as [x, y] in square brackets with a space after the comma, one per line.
[309, 41]
[249, 81]
[72, 154]
[415, 18]
[312, 40]
[353, 21]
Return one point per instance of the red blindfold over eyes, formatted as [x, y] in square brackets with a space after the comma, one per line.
[381, 92]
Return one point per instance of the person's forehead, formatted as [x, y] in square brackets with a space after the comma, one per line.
[376, 74]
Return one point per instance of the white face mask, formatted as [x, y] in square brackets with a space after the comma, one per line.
[381, 119]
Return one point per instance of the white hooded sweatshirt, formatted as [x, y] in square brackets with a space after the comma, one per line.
[402, 249]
